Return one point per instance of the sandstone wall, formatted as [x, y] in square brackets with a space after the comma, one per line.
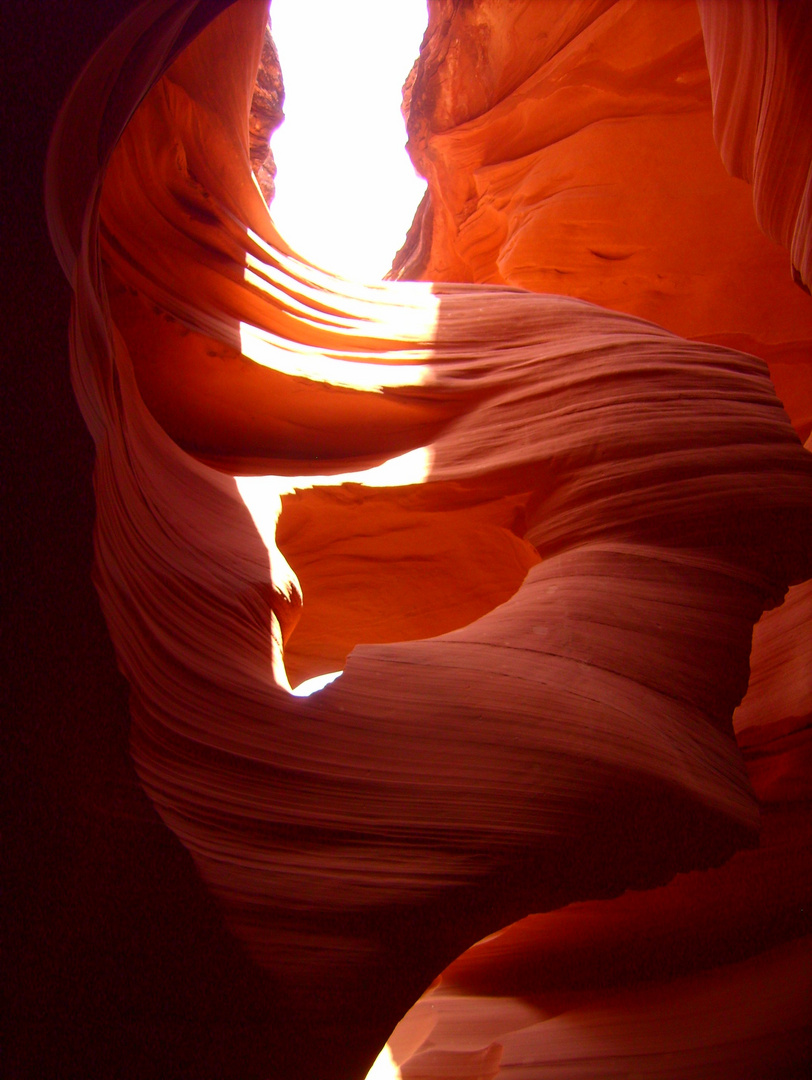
[535, 532]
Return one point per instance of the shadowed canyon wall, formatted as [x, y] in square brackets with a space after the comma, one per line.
[553, 526]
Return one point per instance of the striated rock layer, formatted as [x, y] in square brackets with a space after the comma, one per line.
[553, 526]
[739, 933]
[581, 160]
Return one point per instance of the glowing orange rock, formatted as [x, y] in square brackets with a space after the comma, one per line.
[588, 167]
[578, 963]
[593, 513]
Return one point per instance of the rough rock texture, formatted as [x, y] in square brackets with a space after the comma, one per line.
[581, 160]
[502, 192]
[266, 115]
[554, 526]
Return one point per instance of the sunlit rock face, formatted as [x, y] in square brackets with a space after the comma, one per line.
[535, 530]
[585, 159]
[580, 160]
[266, 115]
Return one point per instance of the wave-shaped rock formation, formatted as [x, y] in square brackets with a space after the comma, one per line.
[533, 528]
[581, 160]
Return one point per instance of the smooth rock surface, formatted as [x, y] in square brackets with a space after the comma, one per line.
[556, 529]
[581, 160]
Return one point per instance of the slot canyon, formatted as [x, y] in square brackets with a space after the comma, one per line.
[534, 513]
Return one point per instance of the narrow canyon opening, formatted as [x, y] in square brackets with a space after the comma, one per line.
[346, 191]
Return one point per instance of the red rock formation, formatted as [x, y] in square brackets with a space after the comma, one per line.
[589, 168]
[759, 59]
[577, 963]
[542, 714]
[266, 115]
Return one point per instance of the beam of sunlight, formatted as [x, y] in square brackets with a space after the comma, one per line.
[346, 191]
[346, 194]
[262, 497]
[318, 682]
[261, 494]
[301, 361]
[385, 1067]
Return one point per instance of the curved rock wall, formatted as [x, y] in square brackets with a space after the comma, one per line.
[552, 525]
[550, 166]
[758, 56]
[590, 168]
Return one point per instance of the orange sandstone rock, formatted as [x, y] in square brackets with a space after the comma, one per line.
[762, 895]
[589, 168]
[759, 61]
[548, 528]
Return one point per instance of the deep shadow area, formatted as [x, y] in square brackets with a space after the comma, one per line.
[117, 963]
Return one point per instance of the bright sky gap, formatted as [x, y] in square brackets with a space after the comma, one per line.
[346, 191]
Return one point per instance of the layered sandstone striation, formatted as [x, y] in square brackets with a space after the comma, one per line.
[520, 173]
[534, 528]
[758, 57]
